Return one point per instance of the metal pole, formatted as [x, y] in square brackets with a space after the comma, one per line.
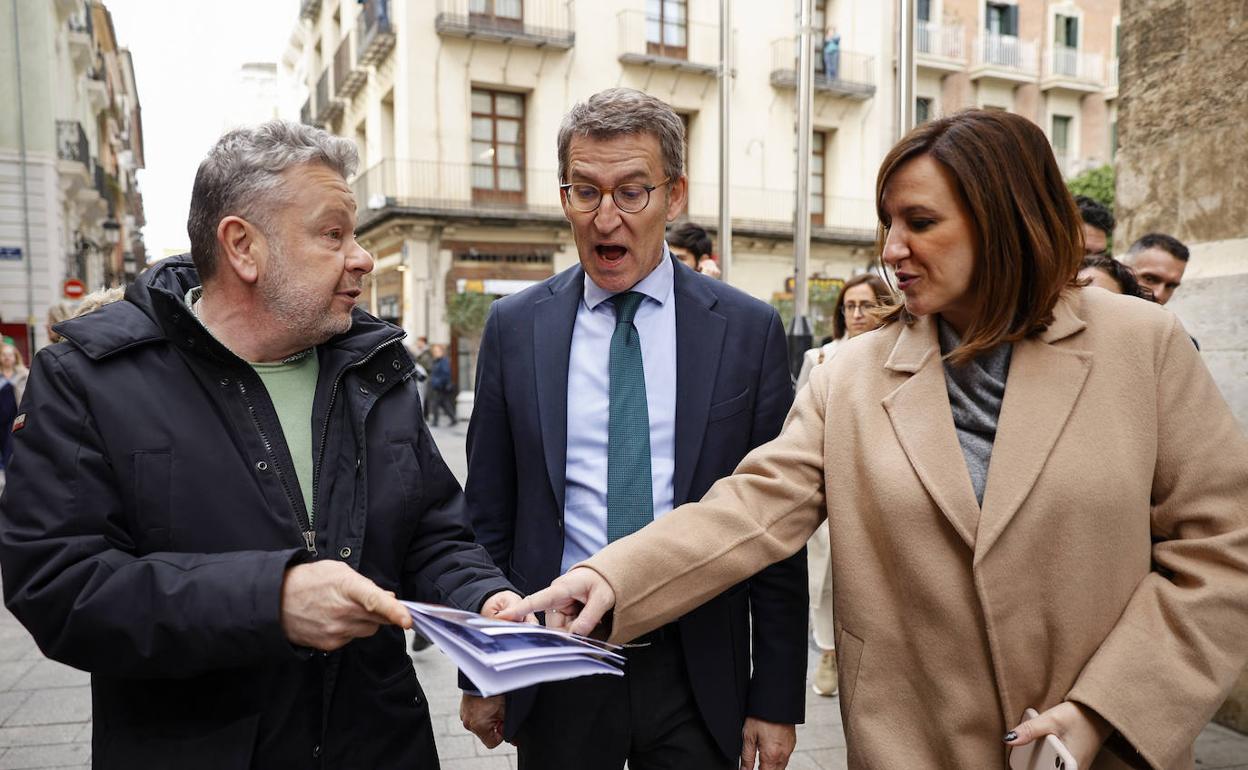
[800, 336]
[725, 94]
[21, 143]
[905, 67]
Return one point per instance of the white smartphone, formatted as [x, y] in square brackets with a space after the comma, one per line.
[1048, 754]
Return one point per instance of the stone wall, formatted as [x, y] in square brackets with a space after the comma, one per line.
[1183, 169]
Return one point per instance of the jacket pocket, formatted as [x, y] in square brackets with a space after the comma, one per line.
[153, 496]
[725, 409]
[849, 661]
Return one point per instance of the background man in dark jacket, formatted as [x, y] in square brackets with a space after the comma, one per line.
[220, 483]
[605, 396]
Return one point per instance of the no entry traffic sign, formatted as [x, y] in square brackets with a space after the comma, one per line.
[73, 288]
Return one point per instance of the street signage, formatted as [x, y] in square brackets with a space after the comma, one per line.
[11, 252]
[73, 288]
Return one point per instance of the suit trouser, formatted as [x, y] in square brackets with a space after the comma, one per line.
[647, 717]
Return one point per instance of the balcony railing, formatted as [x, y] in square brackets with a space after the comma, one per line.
[452, 189]
[539, 23]
[1073, 64]
[938, 40]
[328, 106]
[1006, 54]
[71, 142]
[688, 46]
[374, 33]
[852, 77]
[349, 77]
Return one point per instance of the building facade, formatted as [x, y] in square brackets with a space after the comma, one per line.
[455, 106]
[70, 207]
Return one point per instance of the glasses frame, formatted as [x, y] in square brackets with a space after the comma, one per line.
[566, 188]
[866, 308]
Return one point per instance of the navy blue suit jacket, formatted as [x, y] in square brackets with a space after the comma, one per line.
[733, 391]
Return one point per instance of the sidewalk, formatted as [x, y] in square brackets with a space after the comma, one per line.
[45, 707]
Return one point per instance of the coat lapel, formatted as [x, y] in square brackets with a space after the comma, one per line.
[699, 339]
[1041, 390]
[553, 320]
[923, 421]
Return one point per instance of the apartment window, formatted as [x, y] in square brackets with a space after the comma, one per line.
[667, 29]
[924, 10]
[1001, 19]
[1066, 31]
[922, 110]
[498, 14]
[687, 120]
[818, 155]
[1061, 141]
[497, 146]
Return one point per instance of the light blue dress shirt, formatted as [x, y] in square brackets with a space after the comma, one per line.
[589, 375]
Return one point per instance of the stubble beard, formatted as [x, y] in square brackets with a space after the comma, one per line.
[304, 313]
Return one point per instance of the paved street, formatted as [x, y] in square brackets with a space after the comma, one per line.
[45, 708]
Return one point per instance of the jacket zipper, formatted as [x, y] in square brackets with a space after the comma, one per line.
[329, 410]
[302, 521]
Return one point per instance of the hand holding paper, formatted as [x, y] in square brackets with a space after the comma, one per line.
[500, 656]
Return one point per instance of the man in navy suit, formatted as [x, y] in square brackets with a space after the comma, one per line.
[605, 396]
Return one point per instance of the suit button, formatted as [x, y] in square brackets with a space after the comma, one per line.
[345, 553]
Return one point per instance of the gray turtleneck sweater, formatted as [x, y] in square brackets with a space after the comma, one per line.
[976, 391]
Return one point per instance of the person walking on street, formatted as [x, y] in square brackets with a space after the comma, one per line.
[442, 390]
[606, 395]
[13, 370]
[1009, 528]
[221, 484]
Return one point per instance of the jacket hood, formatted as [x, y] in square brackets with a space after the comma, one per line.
[154, 310]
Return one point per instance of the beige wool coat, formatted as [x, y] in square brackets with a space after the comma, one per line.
[951, 620]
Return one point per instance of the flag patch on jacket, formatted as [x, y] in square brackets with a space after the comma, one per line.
[19, 422]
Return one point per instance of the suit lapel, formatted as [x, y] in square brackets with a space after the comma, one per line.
[923, 422]
[699, 339]
[1040, 392]
[553, 320]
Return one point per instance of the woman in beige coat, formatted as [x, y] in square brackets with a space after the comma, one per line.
[1097, 571]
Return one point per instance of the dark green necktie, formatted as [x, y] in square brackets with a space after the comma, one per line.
[630, 501]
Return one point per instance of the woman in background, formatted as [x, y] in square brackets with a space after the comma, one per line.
[13, 370]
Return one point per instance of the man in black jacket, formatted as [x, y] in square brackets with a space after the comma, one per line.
[221, 483]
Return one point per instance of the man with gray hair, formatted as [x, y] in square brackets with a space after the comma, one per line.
[605, 396]
[222, 481]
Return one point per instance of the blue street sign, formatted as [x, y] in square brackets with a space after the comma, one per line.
[11, 252]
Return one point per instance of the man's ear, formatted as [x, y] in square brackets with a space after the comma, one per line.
[242, 247]
[679, 191]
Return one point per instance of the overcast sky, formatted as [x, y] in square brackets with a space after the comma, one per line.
[186, 58]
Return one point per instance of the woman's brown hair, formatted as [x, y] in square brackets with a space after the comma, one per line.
[1029, 245]
[883, 296]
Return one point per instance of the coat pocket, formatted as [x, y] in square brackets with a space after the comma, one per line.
[848, 663]
[730, 407]
[153, 496]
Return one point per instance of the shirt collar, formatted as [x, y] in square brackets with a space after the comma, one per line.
[657, 285]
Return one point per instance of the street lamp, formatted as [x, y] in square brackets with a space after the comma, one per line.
[112, 231]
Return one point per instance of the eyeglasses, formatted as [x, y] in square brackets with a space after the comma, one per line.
[853, 308]
[629, 198]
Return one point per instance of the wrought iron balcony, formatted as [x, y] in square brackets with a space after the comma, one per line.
[349, 76]
[71, 142]
[534, 23]
[327, 107]
[374, 32]
[852, 77]
[940, 47]
[1073, 70]
[1005, 57]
